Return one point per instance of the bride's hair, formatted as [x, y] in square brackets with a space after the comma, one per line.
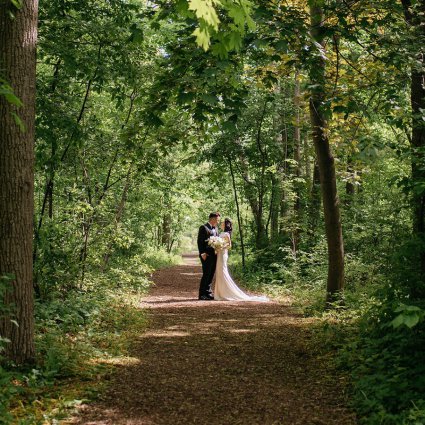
[228, 227]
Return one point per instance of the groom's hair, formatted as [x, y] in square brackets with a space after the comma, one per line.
[214, 215]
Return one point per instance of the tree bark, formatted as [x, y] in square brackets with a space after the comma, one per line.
[275, 199]
[18, 38]
[315, 200]
[350, 188]
[326, 163]
[166, 221]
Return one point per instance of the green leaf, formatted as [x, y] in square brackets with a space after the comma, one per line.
[184, 98]
[210, 99]
[411, 320]
[234, 41]
[404, 307]
[202, 37]
[17, 3]
[218, 49]
[7, 92]
[136, 34]
[19, 122]
[398, 321]
[204, 10]
[229, 126]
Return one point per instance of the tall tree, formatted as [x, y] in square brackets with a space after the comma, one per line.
[297, 158]
[325, 159]
[414, 13]
[18, 37]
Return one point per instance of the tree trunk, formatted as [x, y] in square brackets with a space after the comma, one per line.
[166, 221]
[315, 200]
[118, 217]
[18, 37]
[326, 163]
[275, 199]
[350, 188]
[238, 212]
[297, 158]
[254, 193]
[415, 18]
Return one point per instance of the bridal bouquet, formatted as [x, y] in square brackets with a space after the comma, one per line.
[217, 243]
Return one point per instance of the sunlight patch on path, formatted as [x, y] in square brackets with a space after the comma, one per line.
[220, 363]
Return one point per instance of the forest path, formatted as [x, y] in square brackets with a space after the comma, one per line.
[217, 362]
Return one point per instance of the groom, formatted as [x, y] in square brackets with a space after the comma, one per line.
[207, 255]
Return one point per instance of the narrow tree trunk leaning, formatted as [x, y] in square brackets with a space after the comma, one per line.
[238, 212]
[297, 158]
[415, 19]
[18, 37]
[333, 228]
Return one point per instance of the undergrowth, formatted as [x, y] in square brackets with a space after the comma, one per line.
[376, 334]
[81, 335]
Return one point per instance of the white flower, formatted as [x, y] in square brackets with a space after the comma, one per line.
[219, 244]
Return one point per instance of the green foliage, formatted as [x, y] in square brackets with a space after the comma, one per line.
[409, 315]
[136, 133]
[79, 335]
[7, 92]
[207, 15]
[387, 366]
[7, 392]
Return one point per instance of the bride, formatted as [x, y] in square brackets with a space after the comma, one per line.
[225, 288]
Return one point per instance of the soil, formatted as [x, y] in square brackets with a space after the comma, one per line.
[220, 362]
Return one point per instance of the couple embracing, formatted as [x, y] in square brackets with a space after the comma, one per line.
[214, 261]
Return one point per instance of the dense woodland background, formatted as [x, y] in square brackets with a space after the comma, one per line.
[304, 123]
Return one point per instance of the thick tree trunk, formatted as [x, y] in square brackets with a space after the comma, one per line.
[415, 18]
[333, 228]
[18, 37]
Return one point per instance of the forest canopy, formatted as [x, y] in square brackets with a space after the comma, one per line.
[302, 121]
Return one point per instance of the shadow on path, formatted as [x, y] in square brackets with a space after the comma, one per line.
[210, 362]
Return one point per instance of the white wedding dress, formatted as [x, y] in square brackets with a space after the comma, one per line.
[225, 288]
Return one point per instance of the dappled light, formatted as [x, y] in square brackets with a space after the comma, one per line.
[149, 149]
[220, 363]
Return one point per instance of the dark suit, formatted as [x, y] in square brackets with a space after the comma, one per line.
[208, 265]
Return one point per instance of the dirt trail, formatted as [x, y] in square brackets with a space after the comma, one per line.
[216, 362]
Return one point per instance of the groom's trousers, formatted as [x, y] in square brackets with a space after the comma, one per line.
[208, 270]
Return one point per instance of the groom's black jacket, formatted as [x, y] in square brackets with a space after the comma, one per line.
[205, 231]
